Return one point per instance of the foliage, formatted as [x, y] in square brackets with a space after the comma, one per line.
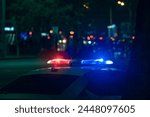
[40, 14]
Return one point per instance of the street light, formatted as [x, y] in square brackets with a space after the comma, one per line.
[121, 3]
[110, 11]
[129, 8]
[86, 5]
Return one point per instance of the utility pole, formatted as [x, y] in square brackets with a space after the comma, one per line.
[110, 16]
[130, 12]
[3, 41]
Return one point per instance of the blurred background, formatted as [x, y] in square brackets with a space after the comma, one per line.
[76, 28]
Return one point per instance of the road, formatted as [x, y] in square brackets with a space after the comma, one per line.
[12, 68]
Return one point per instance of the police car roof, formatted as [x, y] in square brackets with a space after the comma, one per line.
[78, 71]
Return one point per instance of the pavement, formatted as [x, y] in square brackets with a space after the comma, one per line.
[17, 57]
[12, 68]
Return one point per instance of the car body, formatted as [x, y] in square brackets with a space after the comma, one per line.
[67, 82]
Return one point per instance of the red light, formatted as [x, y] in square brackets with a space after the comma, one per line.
[88, 38]
[100, 38]
[71, 36]
[48, 37]
[30, 33]
[60, 32]
[91, 36]
[59, 62]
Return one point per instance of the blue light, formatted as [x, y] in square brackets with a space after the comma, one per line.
[23, 35]
[83, 62]
[92, 61]
[108, 62]
[100, 60]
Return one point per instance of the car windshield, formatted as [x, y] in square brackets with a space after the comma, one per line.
[40, 84]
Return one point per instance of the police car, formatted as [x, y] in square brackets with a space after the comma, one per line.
[68, 79]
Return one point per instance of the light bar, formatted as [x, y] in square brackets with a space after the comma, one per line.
[68, 62]
[59, 62]
[108, 62]
[92, 61]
